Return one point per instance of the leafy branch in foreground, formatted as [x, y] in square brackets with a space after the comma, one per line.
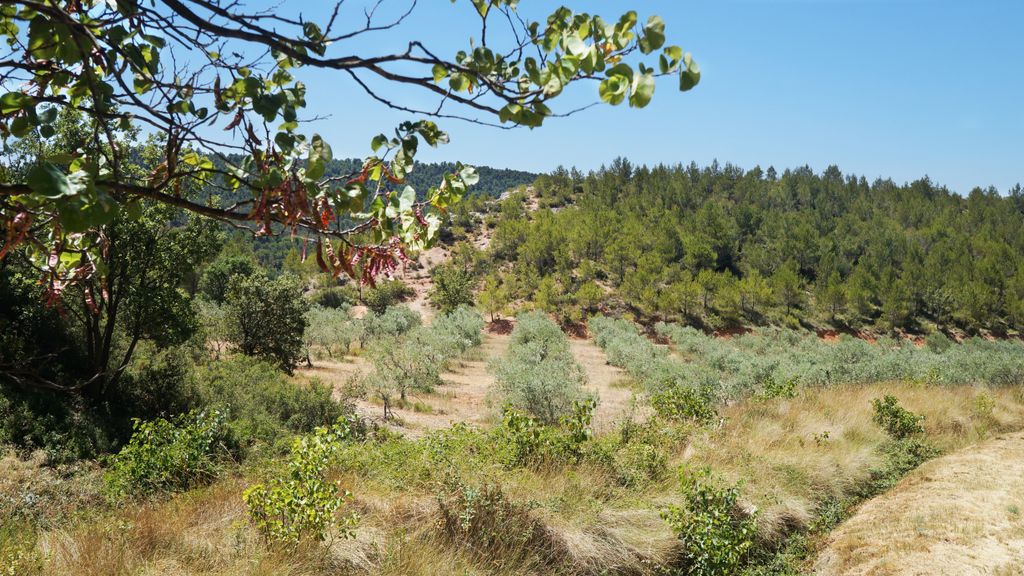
[216, 84]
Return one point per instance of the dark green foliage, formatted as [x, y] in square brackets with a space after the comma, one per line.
[385, 295]
[680, 402]
[717, 535]
[335, 297]
[266, 318]
[217, 277]
[719, 246]
[71, 427]
[266, 408]
[169, 455]
[67, 428]
[897, 421]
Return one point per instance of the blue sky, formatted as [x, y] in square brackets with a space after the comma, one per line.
[899, 88]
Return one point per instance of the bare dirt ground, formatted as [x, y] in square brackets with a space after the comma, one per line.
[462, 397]
[609, 382]
[962, 514]
[419, 281]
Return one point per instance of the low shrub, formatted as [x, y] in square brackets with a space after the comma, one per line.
[938, 342]
[899, 458]
[680, 402]
[717, 535]
[385, 295]
[521, 440]
[538, 374]
[266, 408]
[303, 503]
[483, 520]
[773, 387]
[166, 456]
[394, 321]
[639, 463]
[896, 420]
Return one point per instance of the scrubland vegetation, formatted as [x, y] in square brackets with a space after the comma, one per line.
[791, 345]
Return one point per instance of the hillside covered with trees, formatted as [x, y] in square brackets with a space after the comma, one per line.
[724, 247]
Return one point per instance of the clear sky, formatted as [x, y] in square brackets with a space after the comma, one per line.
[890, 88]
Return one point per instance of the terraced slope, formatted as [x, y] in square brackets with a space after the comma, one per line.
[962, 515]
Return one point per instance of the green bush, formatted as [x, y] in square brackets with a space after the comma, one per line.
[717, 536]
[938, 342]
[394, 321]
[165, 455]
[217, 277]
[639, 463]
[452, 288]
[773, 387]
[899, 458]
[330, 331]
[897, 421]
[335, 297]
[303, 503]
[538, 373]
[485, 521]
[385, 295]
[462, 325]
[266, 318]
[682, 402]
[266, 408]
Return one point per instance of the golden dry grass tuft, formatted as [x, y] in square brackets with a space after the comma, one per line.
[788, 455]
[960, 514]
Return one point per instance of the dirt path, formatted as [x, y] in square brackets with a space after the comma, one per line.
[419, 281]
[462, 397]
[961, 514]
[605, 380]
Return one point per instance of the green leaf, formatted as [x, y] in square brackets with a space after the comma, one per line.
[440, 72]
[613, 89]
[654, 35]
[690, 74]
[20, 127]
[14, 102]
[643, 91]
[407, 199]
[48, 180]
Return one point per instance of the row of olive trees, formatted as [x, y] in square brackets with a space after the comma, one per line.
[539, 374]
[413, 361]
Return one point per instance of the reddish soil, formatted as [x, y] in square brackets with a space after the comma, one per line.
[728, 333]
[500, 326]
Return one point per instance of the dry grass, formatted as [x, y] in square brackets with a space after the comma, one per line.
[958, 514]
[777, 450]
